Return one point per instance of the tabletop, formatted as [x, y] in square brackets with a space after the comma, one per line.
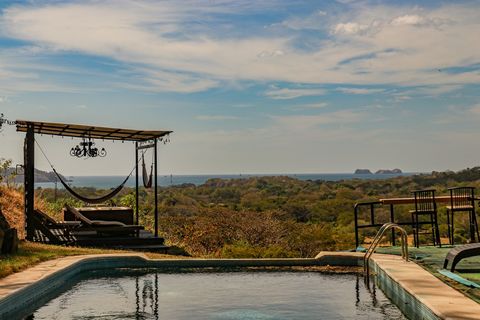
[410, 200]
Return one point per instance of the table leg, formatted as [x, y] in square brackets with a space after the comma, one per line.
[392, 220]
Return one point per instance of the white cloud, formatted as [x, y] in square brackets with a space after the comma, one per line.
[360, 90]
[306, 122]
[408, 20]
[318, 105]
[382, 44]
[159, 80]
[350, 28]
[475, 109]
[464, 117]
[316, 21]
[267, 54]
[437, 90]
[418, 20]
[399, 97]
[12, 82]
[425, 91]
[286, 93]
[215, 117]
[137, 33]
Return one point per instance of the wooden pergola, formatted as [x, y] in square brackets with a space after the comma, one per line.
[143, 139]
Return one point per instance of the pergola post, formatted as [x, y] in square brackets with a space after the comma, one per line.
[156, 188]
[136, 182]
[29, 179]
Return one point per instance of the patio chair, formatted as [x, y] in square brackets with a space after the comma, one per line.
[49, 221]
[48, 230]
[425, 213]
[461, 252]
[462, 199]
[103, 227]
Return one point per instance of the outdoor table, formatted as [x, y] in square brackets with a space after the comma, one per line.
[408, 200]
[391, 202]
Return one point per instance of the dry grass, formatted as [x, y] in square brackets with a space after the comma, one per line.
[11, 203]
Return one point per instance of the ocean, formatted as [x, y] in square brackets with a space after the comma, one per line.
[107, 182]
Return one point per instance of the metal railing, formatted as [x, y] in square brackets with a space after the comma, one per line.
[376, 241]
[371, 217]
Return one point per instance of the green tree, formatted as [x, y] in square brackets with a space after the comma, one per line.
[7, 174]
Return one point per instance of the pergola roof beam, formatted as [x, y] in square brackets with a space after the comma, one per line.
[80, 131]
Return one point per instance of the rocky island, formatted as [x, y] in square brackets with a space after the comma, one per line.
[381, 171]
[363, 171]
[387, 171]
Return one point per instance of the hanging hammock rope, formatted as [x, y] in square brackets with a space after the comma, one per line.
[101, 199]
[147, 179]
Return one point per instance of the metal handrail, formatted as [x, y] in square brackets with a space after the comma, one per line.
[376, 241]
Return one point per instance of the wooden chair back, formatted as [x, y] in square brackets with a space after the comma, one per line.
[462, 197]
[425, 200]
[45, 218]
[78, 216]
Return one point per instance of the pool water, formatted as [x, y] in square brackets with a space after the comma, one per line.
[238, 295]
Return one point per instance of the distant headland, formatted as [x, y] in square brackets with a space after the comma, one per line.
[40, 175]
[381, 171]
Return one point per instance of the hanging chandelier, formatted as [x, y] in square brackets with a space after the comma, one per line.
[5, 121]
[87, 149]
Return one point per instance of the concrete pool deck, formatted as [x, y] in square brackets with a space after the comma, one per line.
[432, 259]
[423, 295]
[415, 291]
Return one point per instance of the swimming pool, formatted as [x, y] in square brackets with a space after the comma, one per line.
[140, 294]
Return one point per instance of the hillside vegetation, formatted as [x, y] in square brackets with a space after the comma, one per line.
[12, 206]
[272, 216]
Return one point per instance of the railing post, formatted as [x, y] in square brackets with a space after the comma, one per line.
[355, 211]
[372, 214]
[136, 182]
[392, 218]
[156, 186]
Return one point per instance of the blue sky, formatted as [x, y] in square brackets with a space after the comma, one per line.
[249, 86]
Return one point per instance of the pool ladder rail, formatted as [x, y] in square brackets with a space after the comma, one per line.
[376, 241]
